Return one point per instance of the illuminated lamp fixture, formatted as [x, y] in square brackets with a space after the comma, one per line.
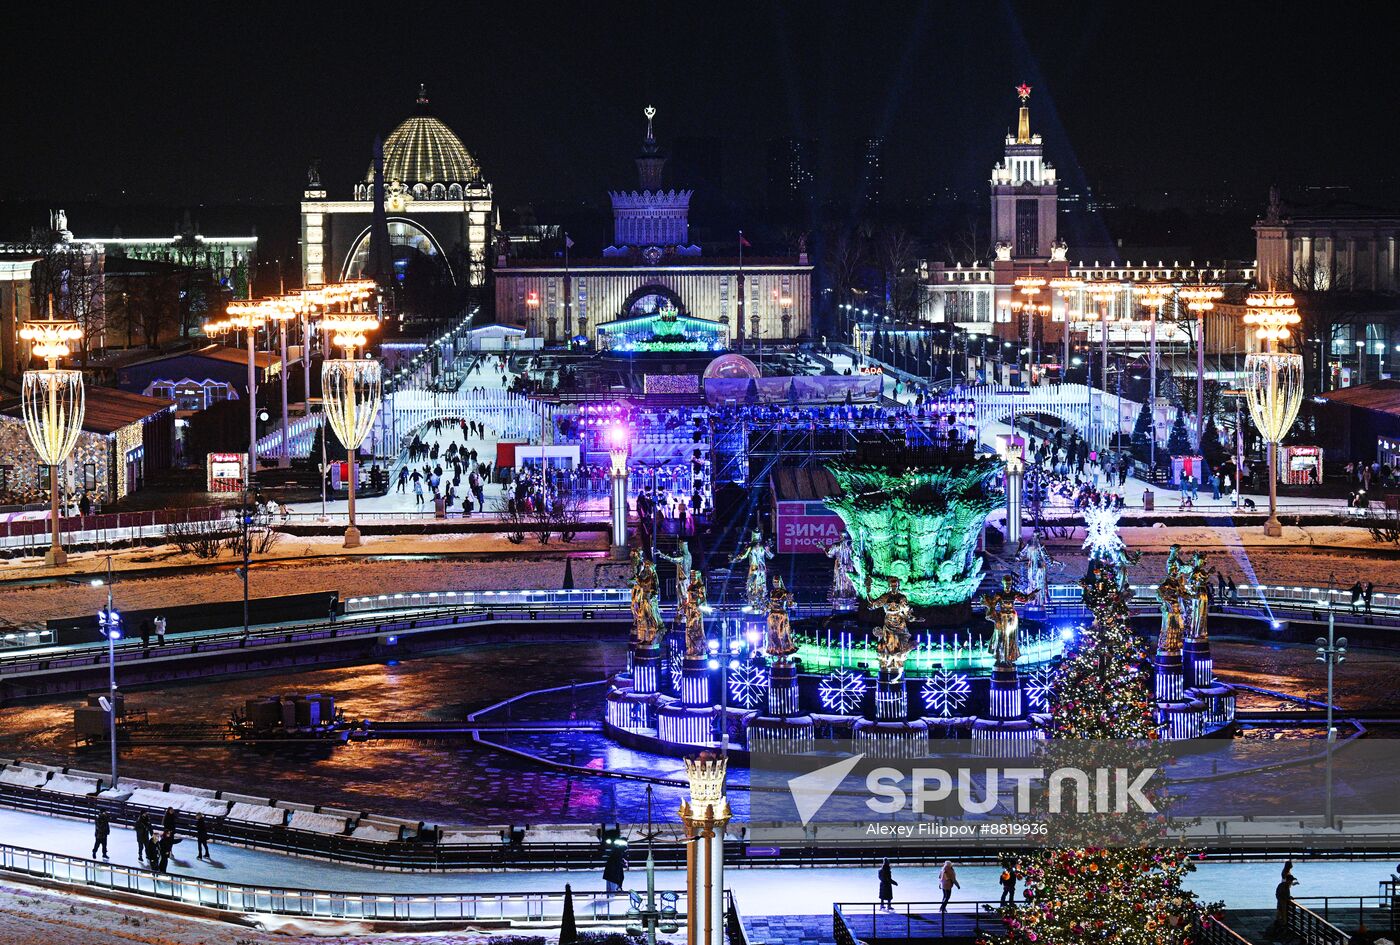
[1273, 382]
[53, 403]
[351, 388]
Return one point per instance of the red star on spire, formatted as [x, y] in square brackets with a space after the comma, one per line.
[1024, 91]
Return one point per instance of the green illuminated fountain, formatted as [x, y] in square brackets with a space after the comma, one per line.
[919, 524]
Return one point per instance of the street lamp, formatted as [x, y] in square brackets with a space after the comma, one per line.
[1066, 287]
[1029, 286]
[618, 436]
[109, 624]
[53, 403]
[351, 388]
[247, 315]
[282, 310]
[1103, 296]
[1152, 295]
[1273, 382]
[1199, 300]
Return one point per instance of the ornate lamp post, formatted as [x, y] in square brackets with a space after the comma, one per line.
[351, 389]
[1273, 382]
[1199, 300]
[247, 315]
[53, 402]
[1029, 286]
[1067, 287]
[617, 475]
[532, 306]
[1152, 295]
[785, 303]
[1103, 297]
[282, 310]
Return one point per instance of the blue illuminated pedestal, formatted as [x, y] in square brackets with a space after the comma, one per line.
[784, 728]
[1006, 728]
[1198, 666]
[1170, 685]
[782, 690]
[646, 667]
[891, 734]
[691, 720]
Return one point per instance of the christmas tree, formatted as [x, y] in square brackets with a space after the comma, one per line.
[1086, 890]
[1179, 441]
[1142, 434]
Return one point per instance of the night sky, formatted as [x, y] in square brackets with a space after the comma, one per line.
[211, 103]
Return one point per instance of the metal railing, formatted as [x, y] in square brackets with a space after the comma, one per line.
[234, 639]
[1379, 913]
[519, 907]
[1313, 928]
[962, 918]
[580, 597]
[1213, 931]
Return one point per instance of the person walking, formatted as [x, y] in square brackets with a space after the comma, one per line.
[1008, 884]
[887, 885]
[1356, 591]
[167, 844]
[947, 881]
[143, 836]
[1366, 593]
[201, 833]
[160, 630]
[146, 634]
[170, 819]
[101, 829]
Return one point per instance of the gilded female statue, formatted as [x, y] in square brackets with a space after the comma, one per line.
[1001, 611]
[780, 645]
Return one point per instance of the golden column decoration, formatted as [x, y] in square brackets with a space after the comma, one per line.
[52, 402]
[1273, 382]
[247, 315]
[1152, 295]
[705, 814]
[351, 387]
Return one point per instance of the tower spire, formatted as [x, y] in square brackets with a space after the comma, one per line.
[1023, 124]
[422, 100]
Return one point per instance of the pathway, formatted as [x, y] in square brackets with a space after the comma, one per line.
[760, 891]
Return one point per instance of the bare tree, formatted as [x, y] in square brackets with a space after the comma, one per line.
[845, 254]
[1328, 300]
[970, 246]
[898, 254]
[70, 274]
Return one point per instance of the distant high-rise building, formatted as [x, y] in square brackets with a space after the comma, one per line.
[870, 174]
[792, 177]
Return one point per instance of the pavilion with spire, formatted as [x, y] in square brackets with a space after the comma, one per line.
[652, 289]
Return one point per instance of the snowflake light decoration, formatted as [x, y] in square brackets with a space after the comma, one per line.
[1101, 538]
[748, 685]
[946, 693]
[675, 661]
[842, 691]
[1038, 688]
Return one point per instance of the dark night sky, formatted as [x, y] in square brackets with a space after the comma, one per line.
[214, 102]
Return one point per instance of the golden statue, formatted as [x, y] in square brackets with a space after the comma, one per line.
[693, 611]
[757, 555]
[1001, 611]
[1198, 581]
[646, 610]
[892, 640]
[780, 645]
[1171, 594]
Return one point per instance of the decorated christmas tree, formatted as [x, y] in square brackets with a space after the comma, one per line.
[1111, 878]
[1179, 440]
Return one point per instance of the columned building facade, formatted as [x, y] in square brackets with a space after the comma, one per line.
[653, 273]
[438, 205]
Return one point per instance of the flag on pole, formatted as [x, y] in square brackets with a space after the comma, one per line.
[568, 243]
[743, 242]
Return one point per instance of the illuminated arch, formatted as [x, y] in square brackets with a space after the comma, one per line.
[402, 232]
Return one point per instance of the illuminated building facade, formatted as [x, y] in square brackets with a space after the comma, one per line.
[985, 299]
[652, 275]
[437, 202]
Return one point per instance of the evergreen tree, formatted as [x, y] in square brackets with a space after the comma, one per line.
[1142, 435]
[1131, 893]
[1215, 451]
[1179, 440]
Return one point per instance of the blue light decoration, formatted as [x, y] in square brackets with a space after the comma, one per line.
[675, 661]
[842, 691]
[748, 685]
[946, 693]
[1039, 686]
[109, 624]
